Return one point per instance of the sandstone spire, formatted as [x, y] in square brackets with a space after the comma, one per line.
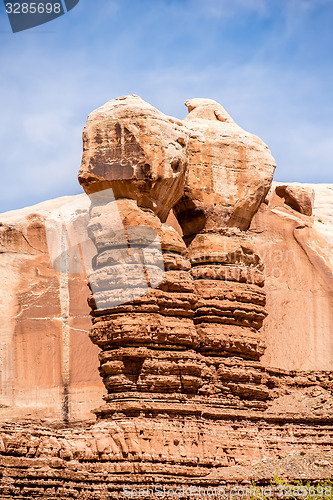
[229, 174]
[133, 168]
[207, 302]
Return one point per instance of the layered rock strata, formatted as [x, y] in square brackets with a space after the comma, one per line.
[189, 402]
[159, 447]
[176, 336]
[142, 288]
[147, 338]
[230, 172]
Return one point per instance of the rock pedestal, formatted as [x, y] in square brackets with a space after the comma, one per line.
[143, 293]
[178, 320]
[229, 174]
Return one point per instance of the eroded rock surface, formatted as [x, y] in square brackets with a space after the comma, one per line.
[179, 313]
[298, 253]
[211, 301]
[299, 198]
[131, 147]
[48, 365]
[230, 171]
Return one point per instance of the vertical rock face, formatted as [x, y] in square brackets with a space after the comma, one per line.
[298, 253]
[48, 365]
[169, 312]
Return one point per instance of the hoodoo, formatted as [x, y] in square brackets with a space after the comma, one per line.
[171, 236]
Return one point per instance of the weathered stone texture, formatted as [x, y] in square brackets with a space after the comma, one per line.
[48, 365]
[179, 313]
[138, 151]
[215, 314]
[298, 254]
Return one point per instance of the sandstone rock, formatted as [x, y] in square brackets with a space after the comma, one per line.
[46, 355]
[298, 257]
[323, 212]
[130, 312]
[230, 171]
[138, 151]
[297, 197]
[135, 300]
[191, 400]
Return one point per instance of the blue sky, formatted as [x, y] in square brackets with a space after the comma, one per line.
[268, 62]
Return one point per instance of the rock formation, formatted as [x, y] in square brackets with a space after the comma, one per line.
[226, 184]
[210, 303]
[298, 198]
[131, 147]
[178, 313]
[142, 288]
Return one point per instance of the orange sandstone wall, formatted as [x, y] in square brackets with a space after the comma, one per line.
[49, 367]
[297, 252]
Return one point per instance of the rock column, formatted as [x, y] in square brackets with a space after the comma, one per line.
[142, 289]
[230, 172]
